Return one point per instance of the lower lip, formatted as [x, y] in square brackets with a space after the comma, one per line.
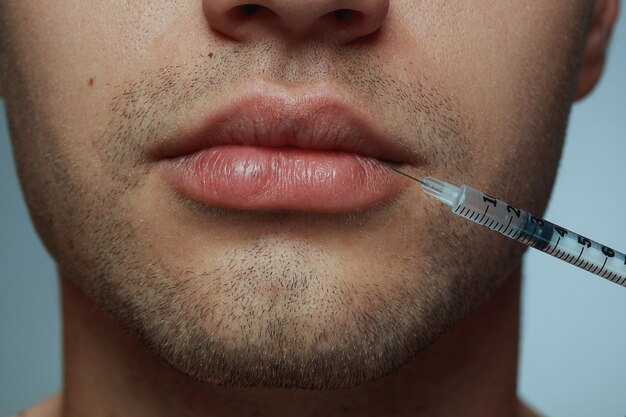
[261, 178]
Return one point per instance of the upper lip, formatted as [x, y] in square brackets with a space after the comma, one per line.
[316, 118]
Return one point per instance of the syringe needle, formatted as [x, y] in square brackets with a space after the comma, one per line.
[530, 230]
[406, 175]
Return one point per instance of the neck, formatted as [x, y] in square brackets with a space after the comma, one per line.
[470, 370]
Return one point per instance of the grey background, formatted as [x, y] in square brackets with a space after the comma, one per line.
[573, 347]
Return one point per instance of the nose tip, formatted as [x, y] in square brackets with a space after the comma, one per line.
[340, 21]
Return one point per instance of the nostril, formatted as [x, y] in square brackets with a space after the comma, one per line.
[250, 9]
[337, 20]
[347, 16]
[342, 14]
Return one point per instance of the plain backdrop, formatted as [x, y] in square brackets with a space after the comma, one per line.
[573, 345]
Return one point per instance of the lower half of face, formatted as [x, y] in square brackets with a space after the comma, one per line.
[285, 297]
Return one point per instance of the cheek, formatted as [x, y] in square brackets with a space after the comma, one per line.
[66, 57]
[514, 82]
[510, 69]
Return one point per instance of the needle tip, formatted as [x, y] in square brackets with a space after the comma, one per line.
[406, 175]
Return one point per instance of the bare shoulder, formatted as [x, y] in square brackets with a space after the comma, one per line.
[50, 407]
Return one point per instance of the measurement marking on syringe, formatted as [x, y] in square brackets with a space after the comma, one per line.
[579, 255]
[484, 214]
[556, 245]
[565, 256]
[509, 223]
[526, 240]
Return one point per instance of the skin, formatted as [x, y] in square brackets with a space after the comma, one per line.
[172, 308]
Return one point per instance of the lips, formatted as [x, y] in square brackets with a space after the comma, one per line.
[275, 149]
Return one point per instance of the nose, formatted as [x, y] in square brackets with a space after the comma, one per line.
[340, 21]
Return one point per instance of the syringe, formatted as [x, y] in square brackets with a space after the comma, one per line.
[530, 230]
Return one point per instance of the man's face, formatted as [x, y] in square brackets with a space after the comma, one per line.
[475, 92]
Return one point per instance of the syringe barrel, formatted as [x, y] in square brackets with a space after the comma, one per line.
[541, 234]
